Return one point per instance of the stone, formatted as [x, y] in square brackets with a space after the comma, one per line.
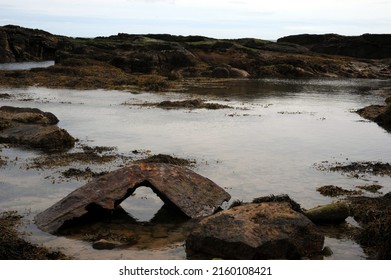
[104, 244]
[35, 136]
[327, 252]
[33, 128]
[333, 213]
[27, 115]
[270, 230]
[380, 114]
[193, 194]
[370, 46]
[24, 44]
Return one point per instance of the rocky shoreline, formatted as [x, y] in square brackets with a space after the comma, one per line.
[162, 62]
[165, 62]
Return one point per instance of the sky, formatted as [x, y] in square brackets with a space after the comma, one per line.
[271, 19]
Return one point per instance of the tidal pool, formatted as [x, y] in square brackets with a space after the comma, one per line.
[269, 142]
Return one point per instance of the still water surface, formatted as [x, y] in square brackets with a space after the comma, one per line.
[26, 65]
[267, 144]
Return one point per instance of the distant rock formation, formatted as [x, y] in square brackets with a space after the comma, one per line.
[370, 46]
[23, 44]
[154, 61]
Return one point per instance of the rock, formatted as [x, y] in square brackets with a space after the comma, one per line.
[380, 114]
[333, 191]
[5, 96]
[121, 61]
[104, 244]
[238, 73]
[374, 217]
[193, 194]
[220, 72]
[27, 115]
[371, 46]
[33, 128]
[49, 137]
[270, 230]
[333, 213]
[24, 44]
[327, 252]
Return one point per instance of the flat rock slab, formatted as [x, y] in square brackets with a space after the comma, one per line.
[270, 230]
[27, 115]
[33, 128]
[195, 195]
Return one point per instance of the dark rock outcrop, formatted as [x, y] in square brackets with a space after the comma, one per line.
[380, 114]
[23, 44]
[269, 230]
[33, 128]
[370, 46]
[193, 194]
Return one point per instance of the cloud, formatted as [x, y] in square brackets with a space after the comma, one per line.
[218, 18]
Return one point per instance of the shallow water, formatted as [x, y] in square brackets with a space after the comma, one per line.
[26, 65]
[267, 144]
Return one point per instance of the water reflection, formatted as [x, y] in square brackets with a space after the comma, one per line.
[26, 65]
[253, 89]
[169, 226]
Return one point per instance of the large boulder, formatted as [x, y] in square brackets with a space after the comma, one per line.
[270, 230]
[33, 128]
[193, 194]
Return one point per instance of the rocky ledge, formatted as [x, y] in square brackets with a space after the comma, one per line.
[32, 128]
[381, 114]
[160, 61]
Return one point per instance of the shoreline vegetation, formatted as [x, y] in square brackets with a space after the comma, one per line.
[162, 62]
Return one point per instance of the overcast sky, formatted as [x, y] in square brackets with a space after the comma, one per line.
[263, 19]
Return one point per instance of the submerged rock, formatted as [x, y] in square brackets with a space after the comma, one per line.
[33, 128]
[269, 230]
[193, 194]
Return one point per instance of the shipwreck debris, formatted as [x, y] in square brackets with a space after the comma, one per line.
[193, 194]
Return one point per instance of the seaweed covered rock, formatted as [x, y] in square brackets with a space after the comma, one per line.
[374, 216]
[332, 213]
[268, 230]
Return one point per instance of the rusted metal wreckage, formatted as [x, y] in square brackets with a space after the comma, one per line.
[195, 195]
